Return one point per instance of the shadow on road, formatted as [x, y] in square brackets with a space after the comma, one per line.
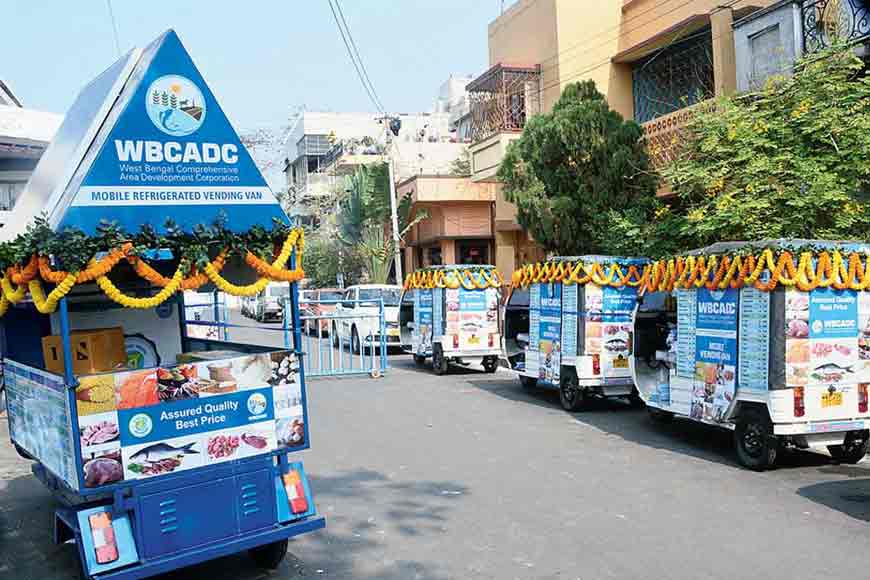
[849, 496]
[616, 416]
[343, 550]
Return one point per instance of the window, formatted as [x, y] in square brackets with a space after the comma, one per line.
[9, 192]
[766, 51]
[283, 290]
[331, 295]
[472, 252]
[390, 296]
[673, 78]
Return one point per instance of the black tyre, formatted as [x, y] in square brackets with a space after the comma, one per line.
[660, 416]
[754, 440]
[490, 364]
[528, 382]
[420, 360]
[572, 397]
[853, 449]
[439, 361]
[22, 453]
[635, 400]
[270, 555]
[354, 341]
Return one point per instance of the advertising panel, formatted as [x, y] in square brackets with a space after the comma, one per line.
[141, 424]
[39, 418]
[170, 146]
[715, 353]
[570, 295]
[550, 333]
[617, 306]
[754, 338]
[533, 354]
[422, 335]
[687, 310]
[472, 319]
[437, 311]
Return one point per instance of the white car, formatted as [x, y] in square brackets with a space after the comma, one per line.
[357, 316]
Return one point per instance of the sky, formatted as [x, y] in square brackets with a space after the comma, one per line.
[262, 58]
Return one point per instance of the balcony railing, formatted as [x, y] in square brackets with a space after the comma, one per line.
[664, 136]
[827, 22]
[502, 99]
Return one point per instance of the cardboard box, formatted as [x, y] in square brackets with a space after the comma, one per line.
[94, 351]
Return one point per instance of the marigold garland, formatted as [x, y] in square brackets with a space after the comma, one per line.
[765, 272]
[467, 278]
[580, 273]
[113, 293]
[27, 278]
[48, 305]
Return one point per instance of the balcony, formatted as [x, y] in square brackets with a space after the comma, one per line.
[827, 22]
[664, 135]
[502, 99]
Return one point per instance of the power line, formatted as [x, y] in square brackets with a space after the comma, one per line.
[353, 60]
[358, 57]
[114, 27]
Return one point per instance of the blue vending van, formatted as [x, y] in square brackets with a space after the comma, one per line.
[160, 448]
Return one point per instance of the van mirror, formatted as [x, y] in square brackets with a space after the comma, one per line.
[523, 339]
[411, 325]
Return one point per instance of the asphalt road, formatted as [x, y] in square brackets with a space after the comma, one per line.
[468, 476]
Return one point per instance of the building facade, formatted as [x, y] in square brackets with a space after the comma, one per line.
[24, 136]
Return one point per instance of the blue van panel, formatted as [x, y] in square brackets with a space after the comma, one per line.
[256, 500]
[187, 517]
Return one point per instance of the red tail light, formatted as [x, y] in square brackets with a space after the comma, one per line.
[799, 409]
[105, 546]
[295, 492]
[455, 341]
[596, 364]
[491, 340]
[862, 397]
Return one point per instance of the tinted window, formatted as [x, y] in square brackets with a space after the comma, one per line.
[390, 296]
[519, 297]
[279, 291]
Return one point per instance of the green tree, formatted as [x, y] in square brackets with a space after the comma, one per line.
[461, 166]
[788, 161]
[326, 257]
[365, 215]
[579, 177]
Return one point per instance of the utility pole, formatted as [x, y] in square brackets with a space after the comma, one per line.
[394, 210]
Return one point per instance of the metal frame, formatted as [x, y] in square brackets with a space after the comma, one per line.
[828, 22]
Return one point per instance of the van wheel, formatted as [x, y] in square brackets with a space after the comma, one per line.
[754, 440]
[635, 400]
[270, 555]
[439, 362]
[420, 360]
[354, 341]
[490, 364]
[528, 382]
[572, 397]
[853, 449]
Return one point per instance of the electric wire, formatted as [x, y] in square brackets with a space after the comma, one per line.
[358, 57]
[352, 59]
[114, 27]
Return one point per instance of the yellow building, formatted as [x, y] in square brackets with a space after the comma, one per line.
[653, 59]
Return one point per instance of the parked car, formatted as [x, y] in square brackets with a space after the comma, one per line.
[317, 306]
[269, 304]
[357, 316]
[247, 305]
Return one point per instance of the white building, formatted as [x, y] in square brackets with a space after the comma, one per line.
[24, 135]
[323, 147]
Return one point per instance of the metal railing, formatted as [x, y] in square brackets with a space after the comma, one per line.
[343, 343]
[828, 22]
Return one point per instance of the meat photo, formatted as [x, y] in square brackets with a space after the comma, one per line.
[98, 433]
[103, 471]
[797, 329]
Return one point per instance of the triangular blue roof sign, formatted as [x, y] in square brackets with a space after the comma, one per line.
[165, 150]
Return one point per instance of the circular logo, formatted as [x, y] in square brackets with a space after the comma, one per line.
[256, 403]
[175, 105]
[140, 425]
